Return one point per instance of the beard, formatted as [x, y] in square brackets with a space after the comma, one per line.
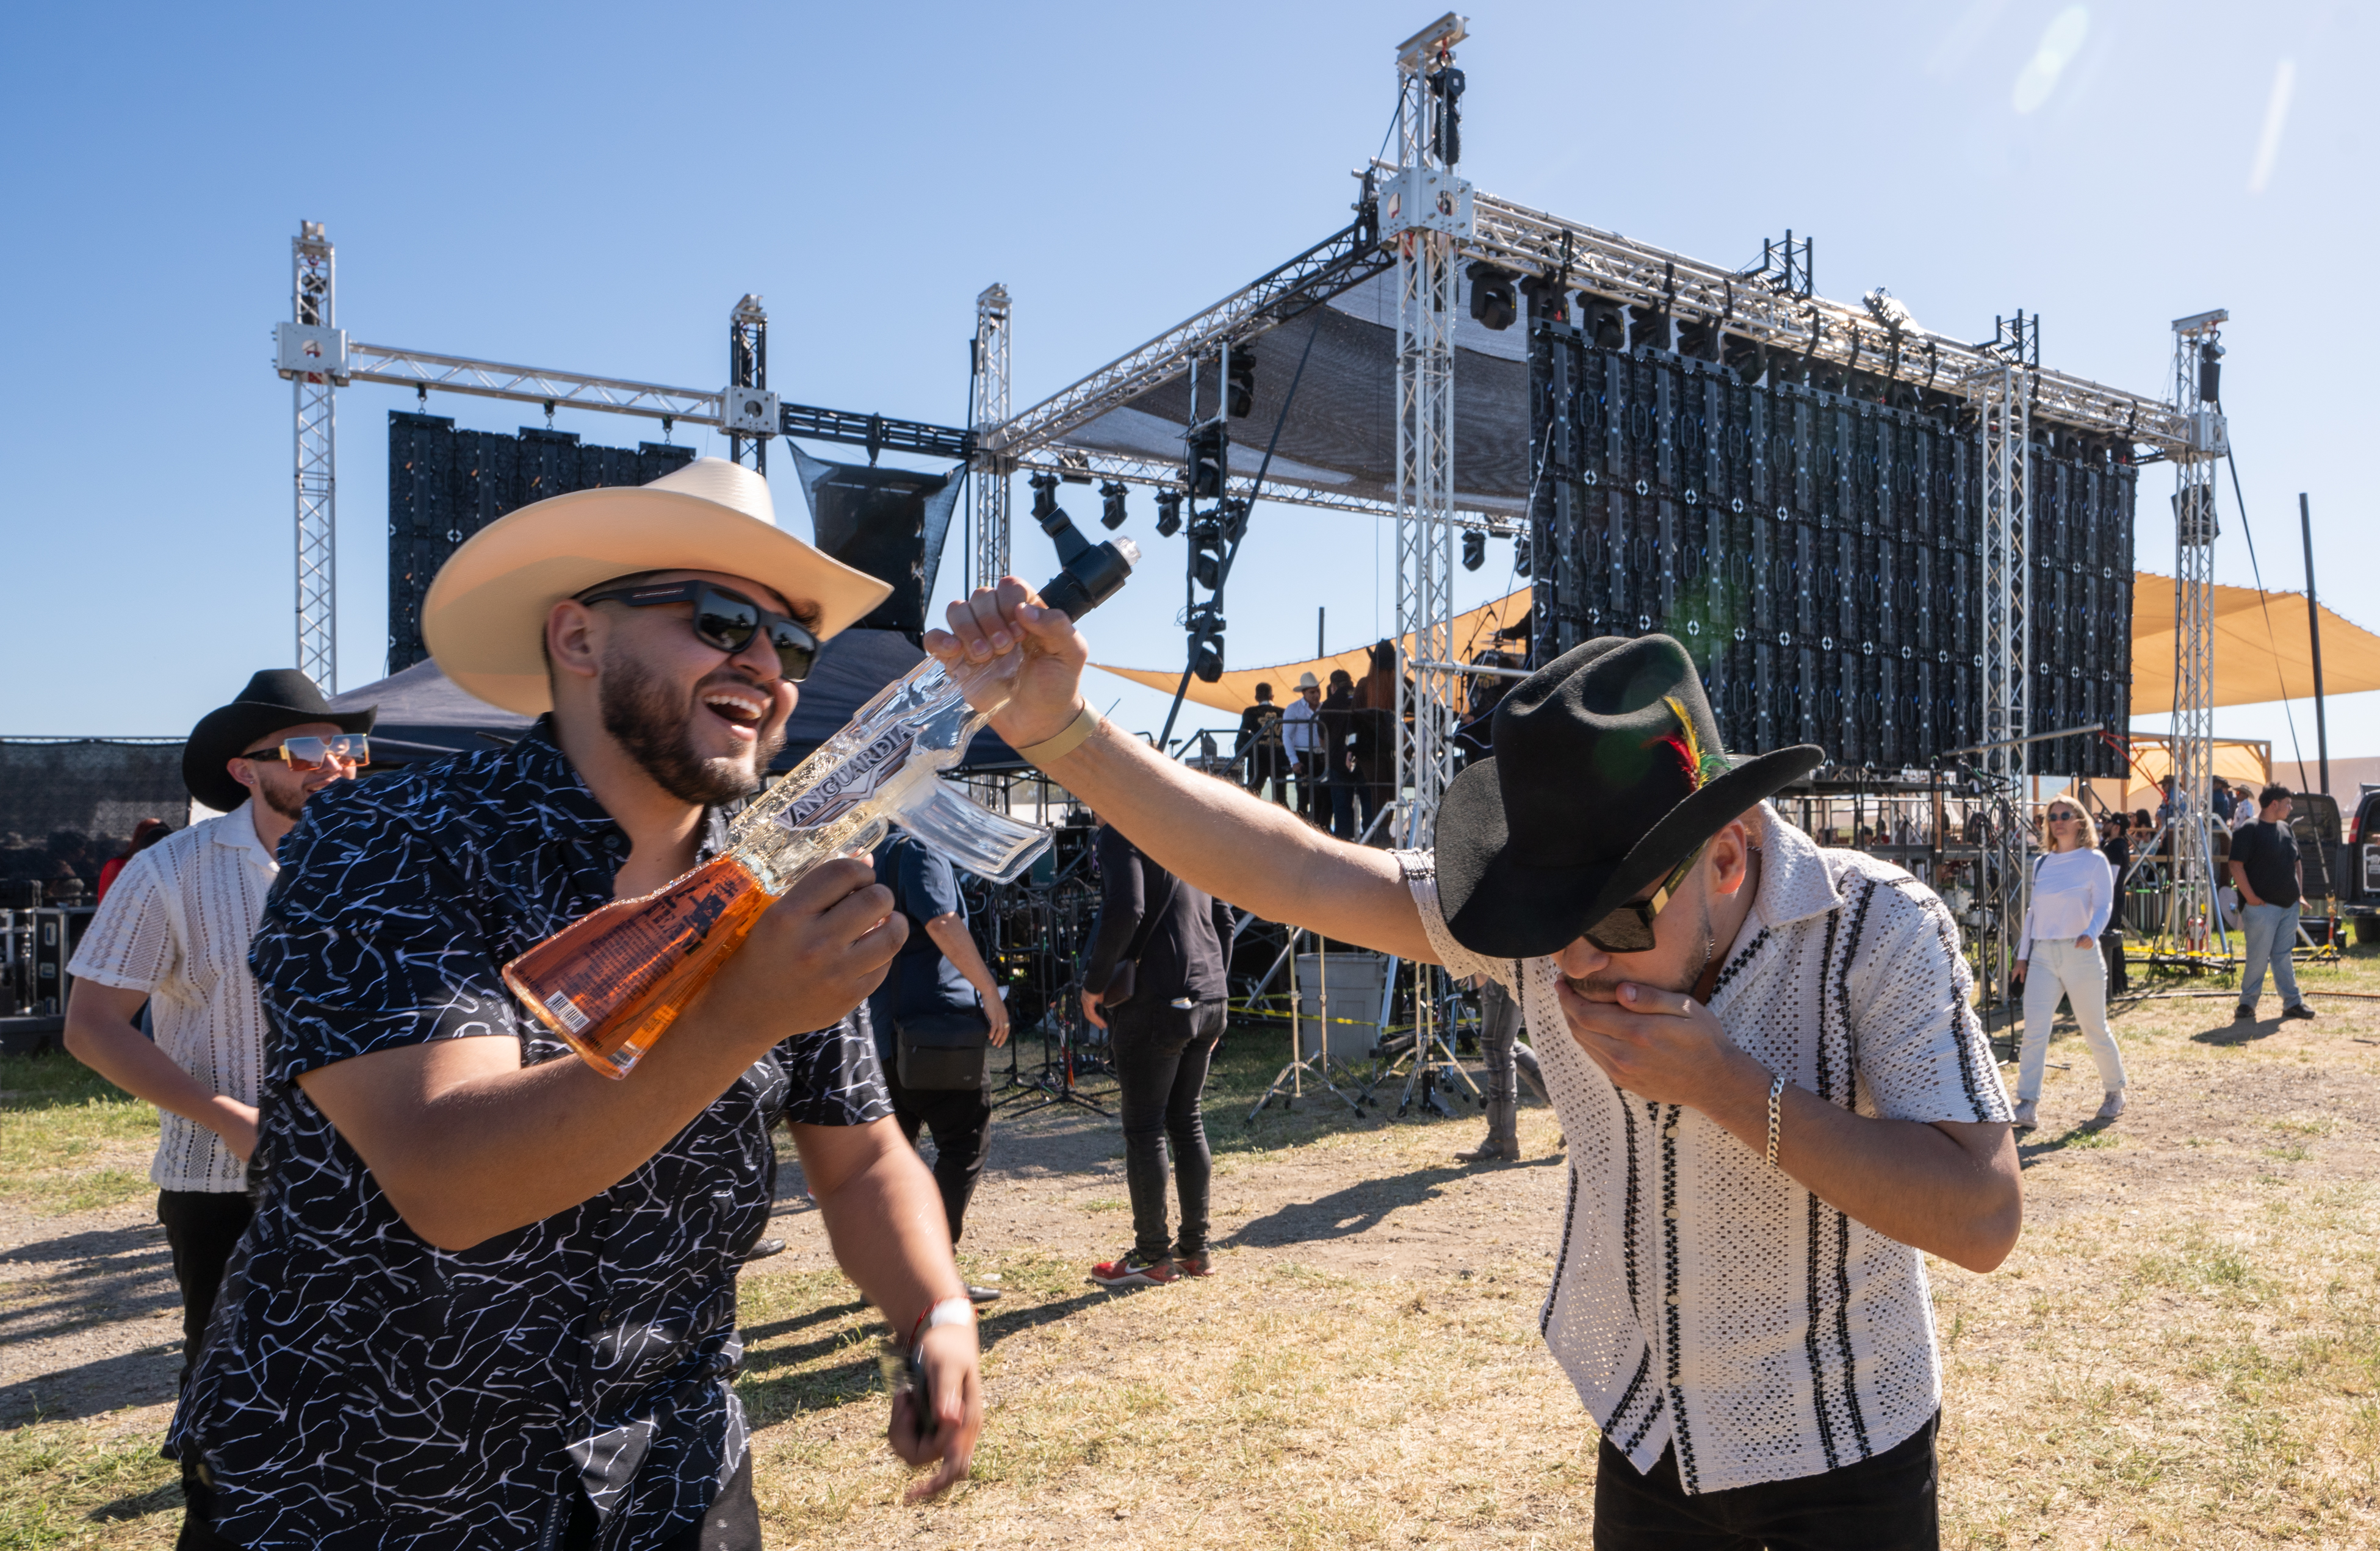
[291, 808]
[640, 713]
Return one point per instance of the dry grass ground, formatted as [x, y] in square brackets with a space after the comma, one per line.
[2184, 1349]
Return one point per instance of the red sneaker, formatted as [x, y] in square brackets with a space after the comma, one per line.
[1194, 1264]
[1132, 1269]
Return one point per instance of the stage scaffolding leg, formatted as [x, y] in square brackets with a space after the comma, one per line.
[2002, 394]
[2192, 926]
[989, 561]
[313, 304]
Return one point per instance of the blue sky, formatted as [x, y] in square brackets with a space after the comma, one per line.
[592, 188]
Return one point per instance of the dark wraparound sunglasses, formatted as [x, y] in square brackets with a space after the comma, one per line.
[1629, 928]
[311, 754]
[724, 621]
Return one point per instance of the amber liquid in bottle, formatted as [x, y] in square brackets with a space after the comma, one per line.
[613, 982]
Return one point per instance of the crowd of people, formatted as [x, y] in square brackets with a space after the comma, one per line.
[445, 1285]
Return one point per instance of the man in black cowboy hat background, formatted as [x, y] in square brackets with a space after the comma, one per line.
[174, 932]
[1775, 1092]
[489, 1297]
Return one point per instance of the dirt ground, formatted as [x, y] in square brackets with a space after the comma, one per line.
[2184, 1349]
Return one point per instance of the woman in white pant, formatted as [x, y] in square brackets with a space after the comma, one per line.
[2073, 890]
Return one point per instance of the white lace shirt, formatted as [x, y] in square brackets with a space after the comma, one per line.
[1702, 1299]
[176, 924]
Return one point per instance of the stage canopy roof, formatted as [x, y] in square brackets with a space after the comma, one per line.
[2251, 664]
[1341, 436]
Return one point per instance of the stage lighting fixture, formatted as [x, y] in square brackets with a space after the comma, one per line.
[1045, 496]
[1208, 464]
[1648, 327]
[1748, 356]
[1475, 549]
[2210, 372]
[1494, 301]
[1548, 298]
[1521, 555]
[1232, 517]
[1207, 551]
[1169, 513]
[1110, 504]
[1240, 390]
[1698, 339]
[1603, 327]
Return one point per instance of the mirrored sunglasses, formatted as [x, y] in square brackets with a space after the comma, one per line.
[724, 621]
[304, 755]
[1629, 928]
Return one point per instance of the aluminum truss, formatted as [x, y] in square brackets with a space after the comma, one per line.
[1425, 211]
[748, 405]
[2191, 916]
[992, 471]
[2001, 390]
[313, 295]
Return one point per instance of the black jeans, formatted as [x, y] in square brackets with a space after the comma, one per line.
[730, 1523]
[1161, 1055]
[201, 1227]
[1888, 1503]
[960, 1119]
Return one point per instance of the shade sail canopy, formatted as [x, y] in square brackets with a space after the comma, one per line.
[2238, 761]
[2253, 663]
[1474, 632]
[2262, 651]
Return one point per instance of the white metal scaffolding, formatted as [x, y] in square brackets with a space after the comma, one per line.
[2002, 394]
[990, 560]
[1424, 211]
[313, 296]
[2191, 916]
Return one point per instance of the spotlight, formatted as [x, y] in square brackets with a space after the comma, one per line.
[1209, 666]
[1045, 496]
[1240, 389]
[2210, 372]
[1446, 128]
[1649, 328]
[1604, 329]
[1748, 356]
[1474, 549]
[1169, 513]
[1521, 555]
[1205, 623]
[1209, 459]
[1234, 517]
[1206, 540]
[1494, 297]
[1110, 504]
[1548, 298]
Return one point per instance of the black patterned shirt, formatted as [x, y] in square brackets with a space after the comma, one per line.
[361, 1388]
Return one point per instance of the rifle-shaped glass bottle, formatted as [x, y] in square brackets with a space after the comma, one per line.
[613, 981]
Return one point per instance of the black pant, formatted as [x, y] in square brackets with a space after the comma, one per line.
[1885, 1504]
[730, 1523]
[1161, 1054]
[201, 1227]
[1347, 797]
[960, 1119]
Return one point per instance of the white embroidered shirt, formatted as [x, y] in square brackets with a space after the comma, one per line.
[176, 924]
[1703, 1299]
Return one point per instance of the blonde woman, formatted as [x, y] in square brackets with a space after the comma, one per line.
[2073, 890]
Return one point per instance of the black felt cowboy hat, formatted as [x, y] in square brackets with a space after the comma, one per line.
[274, 698]
[1608, 775]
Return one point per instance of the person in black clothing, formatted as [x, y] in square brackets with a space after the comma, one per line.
[1176, 941]
[1340, 782]
[2115, 844]
[938, 974]
[1260, 746]
[2266, 866]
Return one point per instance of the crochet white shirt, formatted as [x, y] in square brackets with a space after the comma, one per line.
[176, 924]
[1701, 1297]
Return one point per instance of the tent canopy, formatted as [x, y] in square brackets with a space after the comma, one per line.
[2251, 665]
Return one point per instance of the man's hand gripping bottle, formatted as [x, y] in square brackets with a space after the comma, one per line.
[613, 981]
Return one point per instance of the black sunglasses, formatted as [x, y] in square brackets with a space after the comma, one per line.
[724, 621]
[1629, 928]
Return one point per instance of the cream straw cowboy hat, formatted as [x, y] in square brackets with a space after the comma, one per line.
[484, 620]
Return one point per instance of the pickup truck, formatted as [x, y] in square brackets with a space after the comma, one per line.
[2357, 874]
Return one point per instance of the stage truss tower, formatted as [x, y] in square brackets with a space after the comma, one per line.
[2002, 392]
[748, 367]
[990, 560]
[1425, 213]
[2190, 906]
[313, 297]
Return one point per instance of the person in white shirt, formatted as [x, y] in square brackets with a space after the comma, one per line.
[2073, 890]
[174, 933]
[1776, 1093]
[1300, 733]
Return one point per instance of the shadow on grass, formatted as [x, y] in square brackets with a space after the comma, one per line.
[2082, 1135]
[755, 1334]
[771, 1400]
[2244, 1032]
[139, 1505]
[1359, 1208]
[53, 1080]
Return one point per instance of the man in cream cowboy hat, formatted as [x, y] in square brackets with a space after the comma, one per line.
[489, 1295]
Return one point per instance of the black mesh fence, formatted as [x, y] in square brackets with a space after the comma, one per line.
[67, 805]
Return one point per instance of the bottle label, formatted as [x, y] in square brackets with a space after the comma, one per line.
[853, 782]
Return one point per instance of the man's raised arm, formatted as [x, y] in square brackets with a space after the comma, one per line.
[1208, 832]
